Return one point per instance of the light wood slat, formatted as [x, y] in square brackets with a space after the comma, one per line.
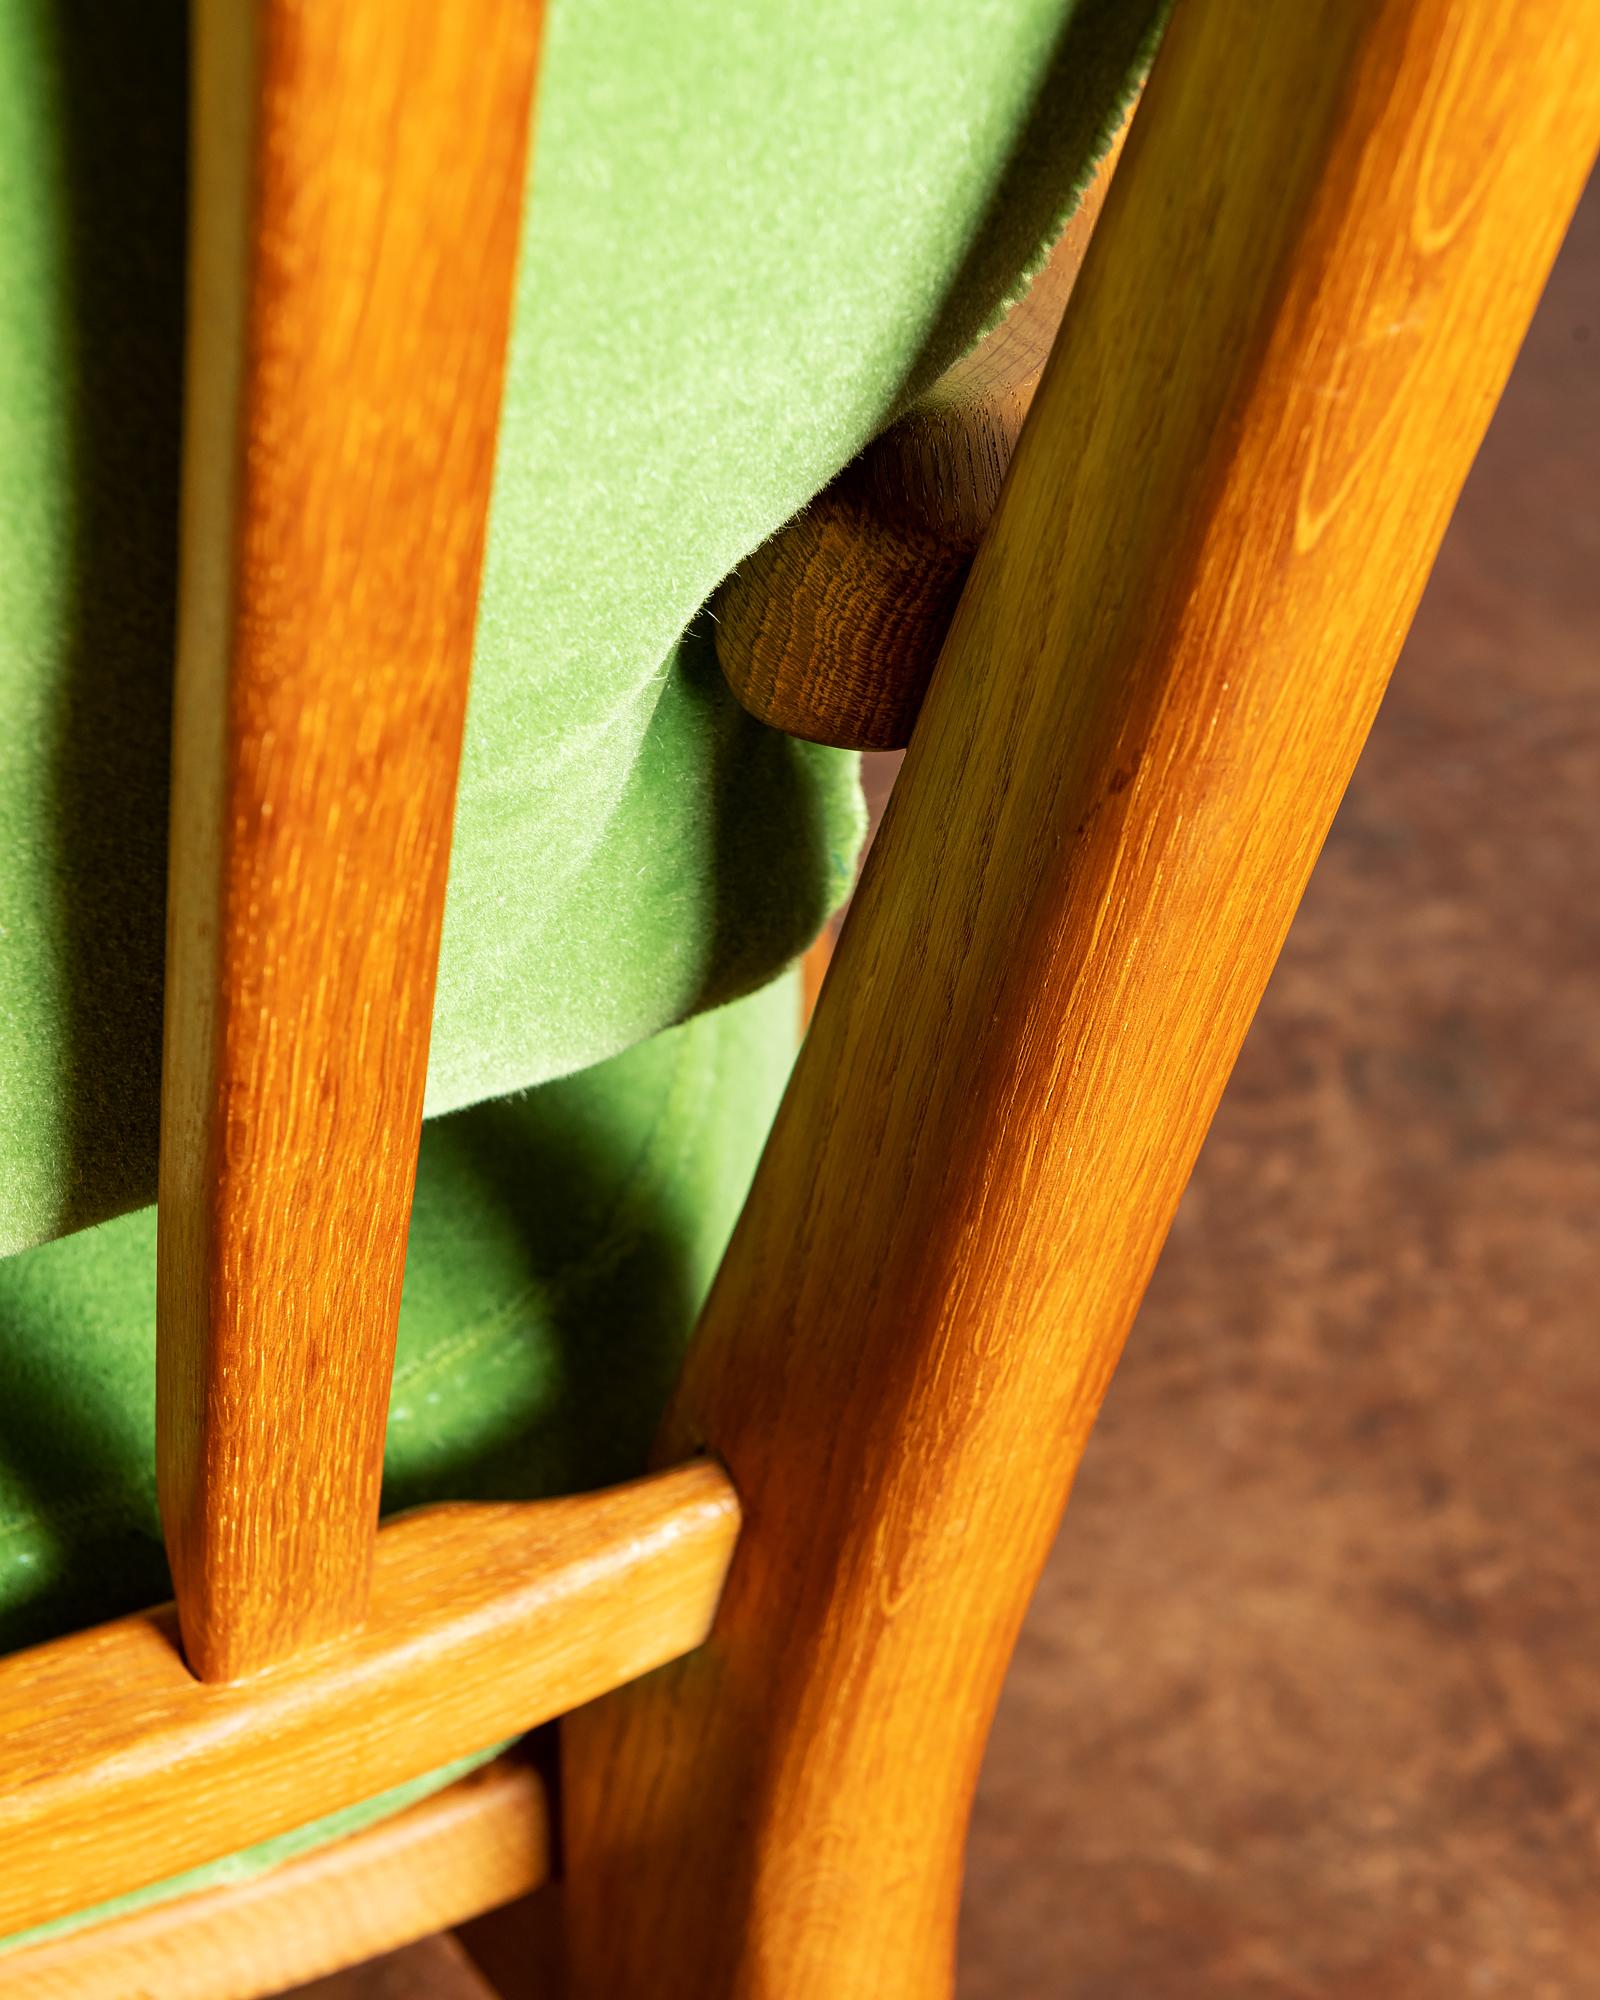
[1327, 234]
[469, 1848]
[118, 1768]
[358, 174]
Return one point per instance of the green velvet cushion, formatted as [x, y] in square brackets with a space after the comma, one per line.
[560, 1244]
[753, 229]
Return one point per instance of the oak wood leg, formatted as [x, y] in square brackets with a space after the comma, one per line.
[1315, 264]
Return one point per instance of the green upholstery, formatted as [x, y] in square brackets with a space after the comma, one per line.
[561, 1241]
[754, 232]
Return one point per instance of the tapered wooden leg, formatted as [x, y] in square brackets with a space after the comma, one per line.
[1327, 236]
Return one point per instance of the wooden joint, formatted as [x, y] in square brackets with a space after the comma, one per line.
[831, 629]
[119, 1769]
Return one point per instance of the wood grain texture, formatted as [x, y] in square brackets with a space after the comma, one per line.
[831, 629]
[358, 175]
[476, 1844]
[1289, 333]
[118, 1768]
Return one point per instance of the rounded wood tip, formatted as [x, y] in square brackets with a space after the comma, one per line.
[831, 630]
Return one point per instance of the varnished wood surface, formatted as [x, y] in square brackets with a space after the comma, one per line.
[358, 174]
[118, 1768]
[476, 1844]
[830, 630]
[1289, 334]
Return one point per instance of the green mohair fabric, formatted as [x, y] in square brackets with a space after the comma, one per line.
[561, 1243]
[753, 231]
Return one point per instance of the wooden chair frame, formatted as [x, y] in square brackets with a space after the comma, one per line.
[1318, 257]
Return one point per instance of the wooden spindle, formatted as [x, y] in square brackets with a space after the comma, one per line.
[357, 198]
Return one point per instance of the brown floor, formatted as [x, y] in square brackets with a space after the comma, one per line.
[1309, 1702]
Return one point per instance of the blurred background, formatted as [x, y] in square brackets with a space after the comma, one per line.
[1309, 1701]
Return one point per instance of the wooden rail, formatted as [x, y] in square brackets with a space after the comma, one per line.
[464, 1850]
[1327, 234]
[118, 1768]
[358, 175]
